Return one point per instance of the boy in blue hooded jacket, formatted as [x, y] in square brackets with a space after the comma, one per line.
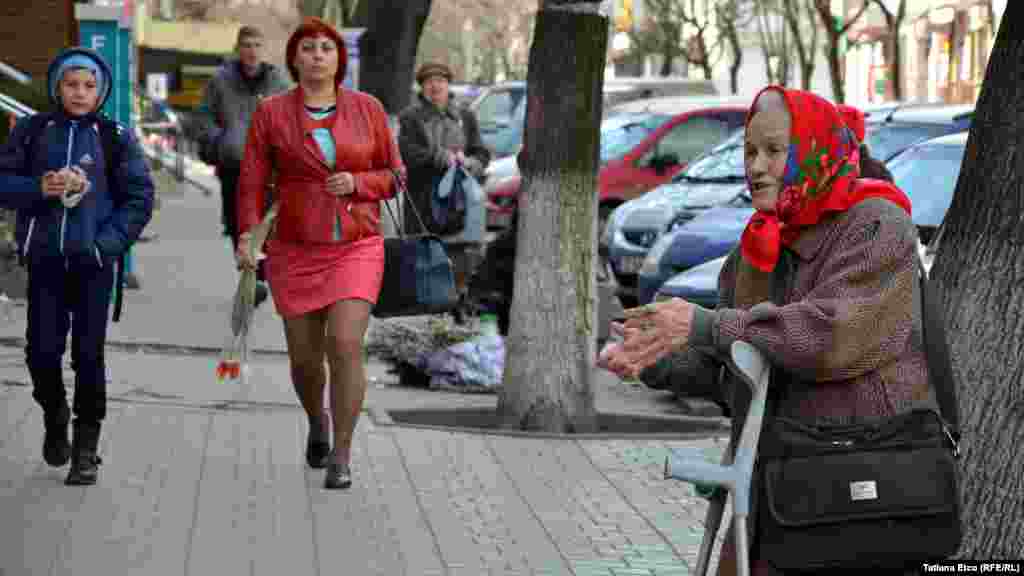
[72, 227]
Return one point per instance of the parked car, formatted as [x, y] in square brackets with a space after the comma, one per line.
[698, 284]
[617, 134]
[501, 109]
[889, 133]
[714, 179]
[927, 172]
[504, 167]
[710, 235]
[639, 151]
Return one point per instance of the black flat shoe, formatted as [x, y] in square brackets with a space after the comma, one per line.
[338, 477]
[317, 452]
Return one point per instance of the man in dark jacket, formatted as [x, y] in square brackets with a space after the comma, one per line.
[433, 136]
[230, 99]
[75, 219]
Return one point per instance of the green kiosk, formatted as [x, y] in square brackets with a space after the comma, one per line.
[108, 30]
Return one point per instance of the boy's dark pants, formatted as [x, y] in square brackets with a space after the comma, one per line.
[69, 295]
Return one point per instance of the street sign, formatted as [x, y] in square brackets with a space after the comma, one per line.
[156, 86]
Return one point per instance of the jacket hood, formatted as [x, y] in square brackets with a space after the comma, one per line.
[84, 56]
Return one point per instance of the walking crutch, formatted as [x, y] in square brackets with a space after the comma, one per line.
[734, 474]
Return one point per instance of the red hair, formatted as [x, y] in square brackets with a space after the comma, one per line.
[315, 27]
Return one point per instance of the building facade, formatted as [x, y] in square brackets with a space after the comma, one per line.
[944, 46]
[33, 32]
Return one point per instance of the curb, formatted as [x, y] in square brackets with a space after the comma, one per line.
[157, 348]
[717, 427]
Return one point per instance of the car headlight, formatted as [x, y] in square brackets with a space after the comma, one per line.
[612, 225]
[653, 259]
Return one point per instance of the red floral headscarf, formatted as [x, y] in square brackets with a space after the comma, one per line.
[854, 118]
[823, 164]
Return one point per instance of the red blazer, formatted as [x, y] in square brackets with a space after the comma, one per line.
[281, 140]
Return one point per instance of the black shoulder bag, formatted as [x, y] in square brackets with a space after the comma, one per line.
[879, 494]
[418, 275]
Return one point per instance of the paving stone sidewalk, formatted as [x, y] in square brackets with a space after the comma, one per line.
[204, 480]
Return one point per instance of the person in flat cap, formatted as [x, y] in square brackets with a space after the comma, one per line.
[433, 136]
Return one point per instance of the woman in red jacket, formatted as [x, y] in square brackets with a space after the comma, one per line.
[332, 156]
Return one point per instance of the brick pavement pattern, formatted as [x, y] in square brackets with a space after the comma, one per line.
[195, 491]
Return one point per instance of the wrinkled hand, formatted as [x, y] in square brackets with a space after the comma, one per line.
[242, 256]
[649, 333]
[341, 184]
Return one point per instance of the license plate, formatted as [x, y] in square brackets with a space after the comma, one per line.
[630, 264]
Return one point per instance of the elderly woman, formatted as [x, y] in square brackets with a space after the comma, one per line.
[822, 283]
[334, 158]
[435, 135]
[870, 167]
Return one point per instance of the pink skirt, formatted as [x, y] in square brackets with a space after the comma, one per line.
[304, 278]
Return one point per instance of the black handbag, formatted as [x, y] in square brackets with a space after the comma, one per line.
[876, 495]
[418, 275]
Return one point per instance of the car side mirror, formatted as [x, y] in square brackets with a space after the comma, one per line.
[662, 162]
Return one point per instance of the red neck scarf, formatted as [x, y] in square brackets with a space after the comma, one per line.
[823, 164]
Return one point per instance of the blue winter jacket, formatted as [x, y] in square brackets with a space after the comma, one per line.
[111, 215]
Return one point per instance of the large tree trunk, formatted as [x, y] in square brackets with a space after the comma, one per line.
[737, 59]
[551, 349]
[977, 273]
[835, 67]
[835, 64]
[896, 66]
[388, 50]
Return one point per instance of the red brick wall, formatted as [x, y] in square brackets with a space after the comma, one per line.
[32, 32]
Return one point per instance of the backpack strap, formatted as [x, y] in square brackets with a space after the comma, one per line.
[36, 125]
[110, 140]
[940, 369]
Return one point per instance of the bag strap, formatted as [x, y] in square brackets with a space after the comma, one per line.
[405, 191]
[36, 124]
[940, 369]
[111, 144]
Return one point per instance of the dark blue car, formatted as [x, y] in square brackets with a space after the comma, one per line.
[711, 234]
[927, 172]
[698, 284]
[634, 227]
[887, 134]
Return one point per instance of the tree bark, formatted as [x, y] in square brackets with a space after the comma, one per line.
[727, 16]
[388, 51]
[548, 381]
[893, 50]
[835, 67]
[978, 272]
[805, 49]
